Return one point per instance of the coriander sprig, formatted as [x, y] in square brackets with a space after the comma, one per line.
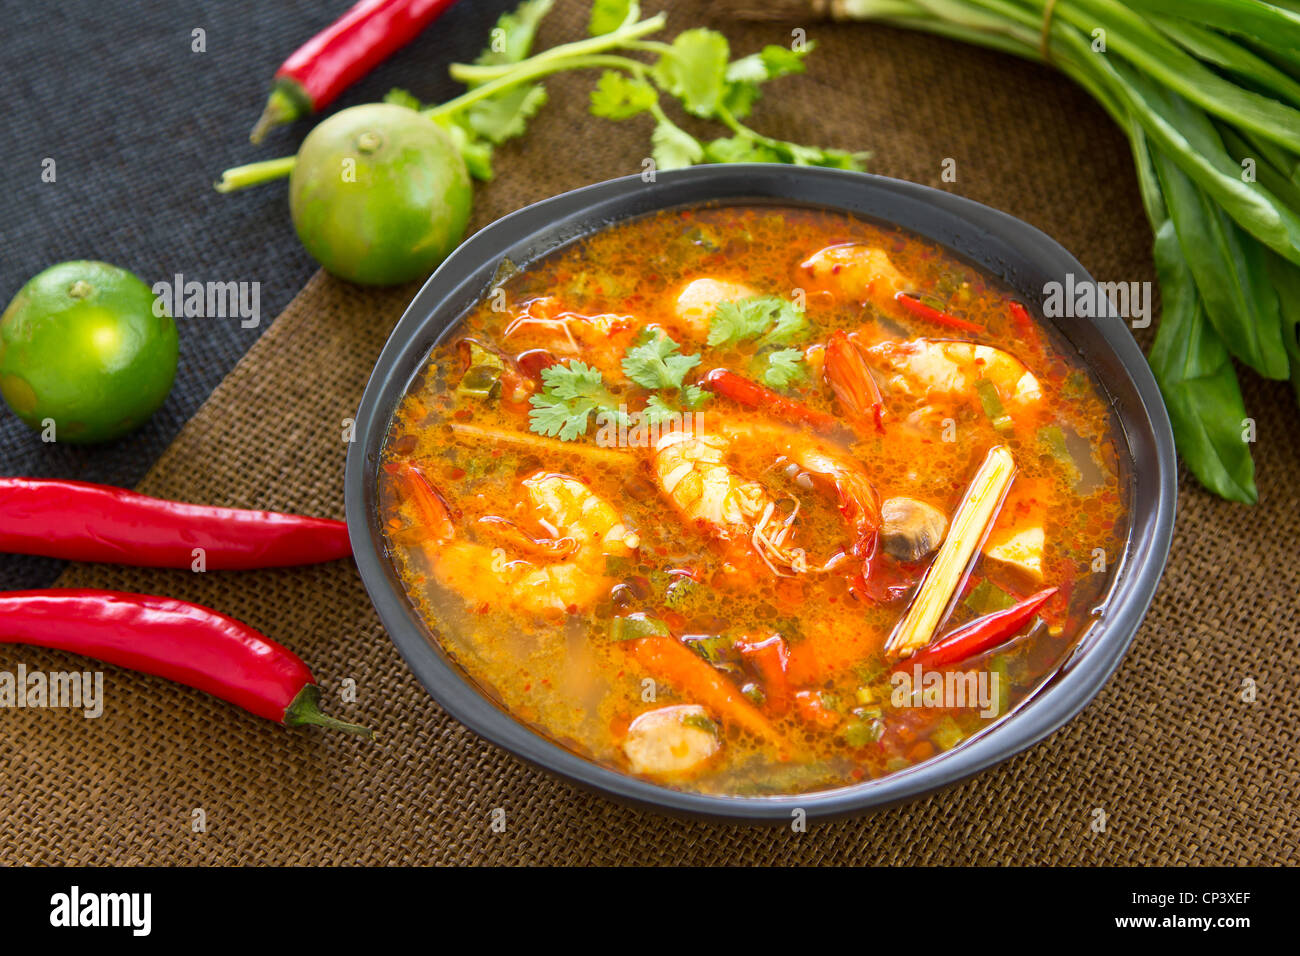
[504, 92]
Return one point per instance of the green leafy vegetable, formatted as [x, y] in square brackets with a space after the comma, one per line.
[785, 367]
[694, 69]
[656, 361]
[608, 15]
[1191, 364]
[769, 319]
[636, 626]
[618, 96]
[569, 396]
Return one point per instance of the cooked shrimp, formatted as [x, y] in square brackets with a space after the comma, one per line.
[692, 472]
[564, 570]
[857, 272]
[671, 741]
[932, 369]
[700, 298]
[597, 339]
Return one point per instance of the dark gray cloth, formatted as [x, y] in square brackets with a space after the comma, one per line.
[139, 126]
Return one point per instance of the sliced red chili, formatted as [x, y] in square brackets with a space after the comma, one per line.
[746, 392]
[769, 659]
[938, 317]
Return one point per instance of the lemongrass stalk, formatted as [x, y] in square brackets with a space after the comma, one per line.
[970, 525]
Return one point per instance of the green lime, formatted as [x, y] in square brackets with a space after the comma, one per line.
[379, 195]
[81, 344]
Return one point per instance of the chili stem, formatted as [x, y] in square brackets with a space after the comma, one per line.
[305, 709]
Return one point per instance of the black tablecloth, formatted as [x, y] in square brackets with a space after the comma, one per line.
[139, 125]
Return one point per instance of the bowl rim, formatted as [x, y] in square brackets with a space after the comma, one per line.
[996, 241]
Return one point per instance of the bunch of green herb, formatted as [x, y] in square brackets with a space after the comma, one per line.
[573, 393]
[696, 69]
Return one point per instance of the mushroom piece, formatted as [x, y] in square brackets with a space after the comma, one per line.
[911, 529]
[671, 741]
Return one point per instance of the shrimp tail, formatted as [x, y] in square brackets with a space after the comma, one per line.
[431, 516]
[849, 377]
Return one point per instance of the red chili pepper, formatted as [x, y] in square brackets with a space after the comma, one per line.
[77, 521]
[850, 379]
[1025, 327]
[179, 641]
[979, 635]
[742, 390]
[769, 659]
[345, 51]
[919, 308]
[1020, 316]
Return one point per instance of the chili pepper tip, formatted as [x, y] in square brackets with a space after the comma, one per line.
[305, 709]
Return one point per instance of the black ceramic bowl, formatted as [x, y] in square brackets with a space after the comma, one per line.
[1024, 257]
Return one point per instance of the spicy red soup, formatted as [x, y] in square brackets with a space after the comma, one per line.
[754, 499]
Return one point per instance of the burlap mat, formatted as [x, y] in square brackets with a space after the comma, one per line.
[1183, 768]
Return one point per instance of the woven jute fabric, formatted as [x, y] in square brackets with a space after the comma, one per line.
[1176, 759]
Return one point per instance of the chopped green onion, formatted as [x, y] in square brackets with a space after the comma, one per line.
[636, 626]
[993, 407]
[859, 733]
[946, 733]
[986, 597]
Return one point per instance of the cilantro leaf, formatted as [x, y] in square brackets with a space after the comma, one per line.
[673, 147]
[503, 116]
[789, 325]
[770, 319]
[656, 361]
[608, 15]
[694, 70]
[743, 76]
[400, 97]
[694, 397]
[784, 368]
[476, 153]
[739, 149]
[618, 96]
[657, 411]
[506, 115]
[513, 35]
[570, 393]
[799, 155]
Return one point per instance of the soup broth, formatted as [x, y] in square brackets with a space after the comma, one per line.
[713, 497]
